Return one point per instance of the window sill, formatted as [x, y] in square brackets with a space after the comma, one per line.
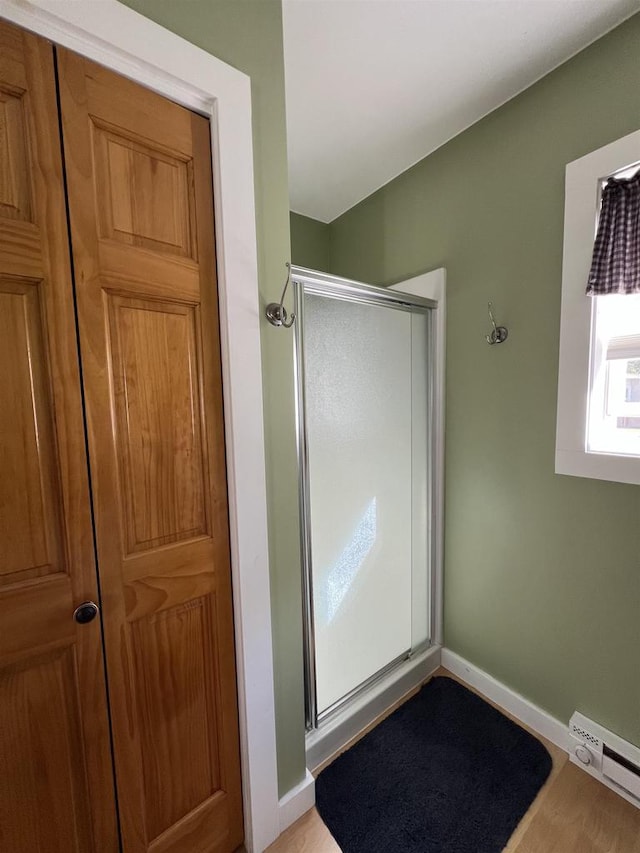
[599, 466]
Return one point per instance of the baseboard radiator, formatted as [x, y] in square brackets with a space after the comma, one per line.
[606, 756]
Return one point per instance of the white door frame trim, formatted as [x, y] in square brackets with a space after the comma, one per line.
[433, 285]
[113, 35]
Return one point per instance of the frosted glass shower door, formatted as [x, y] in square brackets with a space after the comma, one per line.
[366, 413]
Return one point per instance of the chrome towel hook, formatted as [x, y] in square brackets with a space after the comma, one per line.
[276, 312]
[499, 334]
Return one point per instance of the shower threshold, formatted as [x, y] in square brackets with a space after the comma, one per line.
[339, 725]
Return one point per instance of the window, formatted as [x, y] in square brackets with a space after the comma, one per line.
[598, 427]
[613, 424]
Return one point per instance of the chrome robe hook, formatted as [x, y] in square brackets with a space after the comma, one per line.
[276, 312]
[499, 334]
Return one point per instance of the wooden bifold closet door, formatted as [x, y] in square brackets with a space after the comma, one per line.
[140, 482]
[56, 780]
[140, 200]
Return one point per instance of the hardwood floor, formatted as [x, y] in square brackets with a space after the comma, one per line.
[307, 835]
[572, 813]
[581, 814]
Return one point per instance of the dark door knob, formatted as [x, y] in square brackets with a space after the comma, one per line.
[85, 612]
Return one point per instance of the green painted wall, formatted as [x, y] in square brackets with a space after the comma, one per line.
[309, 243]
[542, 572]
[248, 35]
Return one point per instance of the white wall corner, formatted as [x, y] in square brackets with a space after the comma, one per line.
[522, 709]
[297, 801]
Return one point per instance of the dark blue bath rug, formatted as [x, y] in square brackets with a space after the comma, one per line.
[445, 773]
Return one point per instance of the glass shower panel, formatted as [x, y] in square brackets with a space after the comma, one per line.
[366, 402]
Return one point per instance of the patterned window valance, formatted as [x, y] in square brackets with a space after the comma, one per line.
[615, 266]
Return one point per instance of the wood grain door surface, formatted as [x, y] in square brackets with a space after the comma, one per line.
[140, 199]
[56, 779]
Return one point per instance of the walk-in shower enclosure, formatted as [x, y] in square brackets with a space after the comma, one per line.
[364, 376]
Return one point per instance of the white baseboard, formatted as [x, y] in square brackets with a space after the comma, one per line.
[297, 801]
[522, 709]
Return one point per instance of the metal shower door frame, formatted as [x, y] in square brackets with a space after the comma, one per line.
[306, 281]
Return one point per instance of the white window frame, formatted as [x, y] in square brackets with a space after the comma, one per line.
[109, 33]
[582, 197]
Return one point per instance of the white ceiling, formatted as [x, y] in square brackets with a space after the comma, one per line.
[373, 86]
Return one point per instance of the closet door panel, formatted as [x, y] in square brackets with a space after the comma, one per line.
[29, 489]
[56, 776]
[20, 237]
[40, 720]
[15, 183]
[139, 177]
[154, 362]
